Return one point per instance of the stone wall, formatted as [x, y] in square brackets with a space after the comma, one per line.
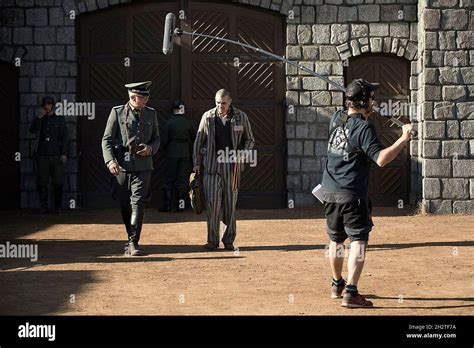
[446, 98]
[322, 36]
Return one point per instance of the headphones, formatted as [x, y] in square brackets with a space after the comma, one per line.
[365, 101]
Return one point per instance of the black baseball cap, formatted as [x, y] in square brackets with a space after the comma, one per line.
[359, 90]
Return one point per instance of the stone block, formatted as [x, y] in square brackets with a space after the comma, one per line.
[444, 110]
[455, 148]
[304, 34]
[431, 188]
[328, 53]
[399, 30]
[455, 188]
[339, 33]
[432, 18]
[463, 168]
[463, 207]
[379, 29]
[431, 149]
[326, 14]
[437, 168]
[359, 31]
[465, 111]
[314, 84]
[369, 13]
[454, 19]
[36, 17]
[452, 129]
[454, 93]
[347, 14]
[447, 40]
[439, 206]
[322, 98]
[321, 34]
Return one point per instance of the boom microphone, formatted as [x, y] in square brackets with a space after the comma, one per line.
[170, 22]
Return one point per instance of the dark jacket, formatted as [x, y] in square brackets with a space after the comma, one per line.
[179, 137]
[51, 135]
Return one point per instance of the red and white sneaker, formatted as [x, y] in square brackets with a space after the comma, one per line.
[355, 301]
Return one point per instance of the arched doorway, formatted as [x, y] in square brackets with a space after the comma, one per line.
[194, 72]
[390, 184]
[9, 138]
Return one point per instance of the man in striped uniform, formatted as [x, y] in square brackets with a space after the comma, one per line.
[221, 130]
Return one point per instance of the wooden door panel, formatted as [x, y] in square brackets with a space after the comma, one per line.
[9, 138]
[257, 85]
[389, 184]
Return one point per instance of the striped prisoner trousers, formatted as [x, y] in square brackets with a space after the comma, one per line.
[220, 204]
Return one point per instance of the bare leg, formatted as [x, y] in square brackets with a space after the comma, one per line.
[336, 259]
[356, 261]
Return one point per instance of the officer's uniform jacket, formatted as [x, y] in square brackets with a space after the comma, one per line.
[145, 130]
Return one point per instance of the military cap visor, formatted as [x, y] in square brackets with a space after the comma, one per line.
[142, 88]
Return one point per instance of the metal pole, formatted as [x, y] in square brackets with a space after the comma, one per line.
[259, 50]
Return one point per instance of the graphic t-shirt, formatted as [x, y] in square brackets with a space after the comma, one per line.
[351, 149]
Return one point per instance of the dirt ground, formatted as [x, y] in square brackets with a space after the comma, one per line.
[416, 265]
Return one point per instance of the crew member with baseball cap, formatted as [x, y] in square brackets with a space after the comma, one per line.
[131, 138]
[353, 146]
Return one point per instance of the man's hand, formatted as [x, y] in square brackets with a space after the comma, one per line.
[147, 151]
[42, 113]
[197, 170]
[406, 129]
[114, 168]
[63, 159]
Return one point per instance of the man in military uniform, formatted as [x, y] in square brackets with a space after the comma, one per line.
[131, 138]
[178, 142]
[222, 128]
[50, 153]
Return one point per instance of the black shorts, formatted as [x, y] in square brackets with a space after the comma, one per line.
[351, 220]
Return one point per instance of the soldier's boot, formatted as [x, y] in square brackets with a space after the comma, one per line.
[126, 216]
[168, 196]
[58, 199]
[181, 201]
[136, 221]
[43, 194]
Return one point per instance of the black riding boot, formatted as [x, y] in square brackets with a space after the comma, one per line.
[136, 222]
[126, 216]
[58, 199]
[43, 194]
[168, 198]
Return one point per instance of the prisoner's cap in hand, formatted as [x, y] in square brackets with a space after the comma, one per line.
[359, 90]
[142, 88]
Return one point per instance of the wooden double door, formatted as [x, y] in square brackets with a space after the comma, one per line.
[123, 44]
